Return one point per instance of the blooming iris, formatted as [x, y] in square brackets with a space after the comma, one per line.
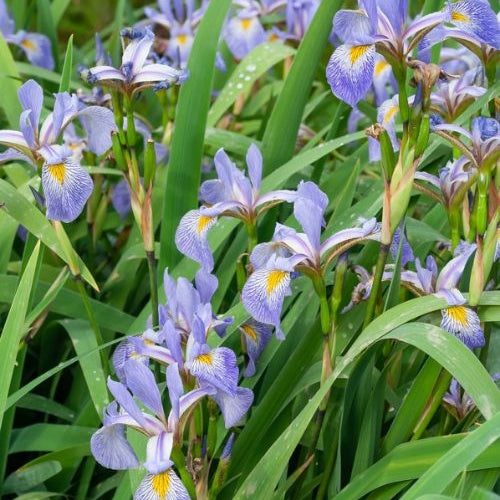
[36, 46]
[134, 74]
[231, 194]
[66, 185]
[274, 262]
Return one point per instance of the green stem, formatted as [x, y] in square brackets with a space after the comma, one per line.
[252, 235]
[153, 285]
[179, 461]
[377, 280]
[84, 478]
[93, 323]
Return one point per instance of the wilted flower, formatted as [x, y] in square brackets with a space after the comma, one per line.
[134, 74]
[36, 46]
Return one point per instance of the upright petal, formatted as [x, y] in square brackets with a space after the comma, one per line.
[137, 51]
[163, 486]
[254, 164]
[110, 448]
[452, 272]
[98, 123]
[191, 237]
[350, 71]
[31, 97]
[126, 401]
[67, 187]
[158, 452]
[175, 387]
[206, 284]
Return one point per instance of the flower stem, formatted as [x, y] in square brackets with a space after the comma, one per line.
[153, 285]
[179, 461]
[377, 280]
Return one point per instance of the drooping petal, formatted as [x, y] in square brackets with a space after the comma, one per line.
[216, 367]
[477, 19]
[67, 187]
[234, 406]
[163, 486]
[464, 323]
[103, 73]
[141, 382]
[110, 448]
[350, 71]
[98, 123]
[191, 237]
[120, 198]
[158, 452]
[242, 34]
[206, 284]
[406, 251]
[14, 139]
[124, 351]
[38, 49]
[257, 336]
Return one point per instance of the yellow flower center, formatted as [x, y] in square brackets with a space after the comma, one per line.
[28, 44]
[379, 67]
[203, 222]
[182, 39]
[458, 314]
[58, 171]
[357, 51]
[458, 16]
[246, 23]
[274, 279]
[206, 359]
[250, 332]
[161, 484]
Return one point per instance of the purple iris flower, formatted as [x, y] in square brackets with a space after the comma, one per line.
[67, 186]
[299, 14]
[257, 336]
[378, 26]
[233, 195]
[36, 46]
[181, 19]
[120, 198]
[134, 74]
[274, 262]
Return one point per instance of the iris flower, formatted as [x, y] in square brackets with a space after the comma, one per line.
[231, 194]
[66, 185]
[274, 262]
[36, 46]
[134, 74]
[298, 17]
[378, 26]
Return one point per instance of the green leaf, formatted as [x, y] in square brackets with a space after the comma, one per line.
[251, 68]
[9, 83]
[189, 133]
[84, 341]
[36, 402]
[26, 478]
[278, 143]
[13, 328]
[57, 8]
[47, 26]
[67, 71]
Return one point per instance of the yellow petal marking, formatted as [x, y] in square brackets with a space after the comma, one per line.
[28, 44]
[58, 171]
[274, 279]
[380, 66]
[357, 51]
[458, 16]
[390, 113]
[458, 314]
[182, 39]
[246, 23]
[161, 484]
[206, 359]
[250, 332]
[203, 222]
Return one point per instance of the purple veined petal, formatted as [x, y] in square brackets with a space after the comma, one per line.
[206, 284]
[124, 351]
[188, 300]
[278, 195]
[110, 448]
[192, 397]
[199, 330]
[12, 154]
[175, 388]
[137, 51]
[234, 406]
[452, 272]
[464, 323]
[67, 187]
[14, 139]
[98, 123]
[224, 206]
[425, 277]
[31, 97]
[173, 340]
[145, 347]
[449, 127]
[127, 403]
[475, 18]
[180, 44]
[413, 279]
[191, 237]
[37, 48]
[104, 73]
[264, 293]
[228, 447]
[217, 368]
[453, 296]
[212, 192]
[423, 23]
[157, 73]
[158, 452]
[65, 107]
[254, 164]
[163, 486]
[484, 128]
[350, 71]
[263, 252]
[141, 382]
[257, 337]
[300, 244]
[431, 179]
[395, 11]
[242, 34]
[353, 26]
[120, 198]
[406, 251]
[26, 128]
